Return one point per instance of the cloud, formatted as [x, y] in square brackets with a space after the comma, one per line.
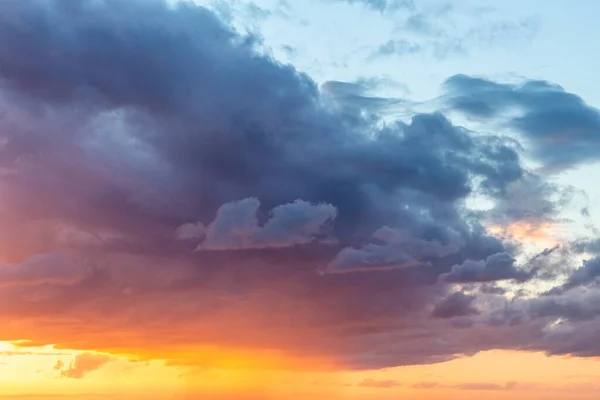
[135, 132]
[558, 126]
[477, 386]
[499, 266]
[588, 246]
[457, 304]
[82, 365]
[396, 249]
[443, 30]
[356, 98]
[399, 47]
[190, 230]
[485, 386]
[51, 268]
[382, 5]
[379, 384]
[585, 274]
[530, 200]
[236, 226]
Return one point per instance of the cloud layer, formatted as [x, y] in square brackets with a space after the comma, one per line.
[167, 190]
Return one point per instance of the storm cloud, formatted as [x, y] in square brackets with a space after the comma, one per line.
[200, 193]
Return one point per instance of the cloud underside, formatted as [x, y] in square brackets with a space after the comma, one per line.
[168, 189]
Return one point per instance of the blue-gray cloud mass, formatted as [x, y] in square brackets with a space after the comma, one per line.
[186, 176]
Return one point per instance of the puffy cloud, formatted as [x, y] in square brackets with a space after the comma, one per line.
[236, 225]
[177, 140]
[585, 274]
[499, 266]
[396, 249]
[82, 365]
[190, 230]
[457, 304]
[575, 305]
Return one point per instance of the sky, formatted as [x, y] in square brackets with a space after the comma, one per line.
[285, 199]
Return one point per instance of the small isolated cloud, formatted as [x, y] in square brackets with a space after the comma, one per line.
[485, 386]
[236, 226]
[499, 266]
[379, 384]
[82, 365]
[399, 47]
[382, 5]
[190, 230]
[426, 385]
[530, 202]
[475, 386]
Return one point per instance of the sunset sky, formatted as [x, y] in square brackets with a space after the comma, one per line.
[299, 199]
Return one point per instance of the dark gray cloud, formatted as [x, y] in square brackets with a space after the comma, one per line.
[559, 127]
[134, 131]
[499, 266]
[585, 274]
[395, 248]
[204, 136]
[457, 304]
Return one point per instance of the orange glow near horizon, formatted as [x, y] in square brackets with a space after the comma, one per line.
[495, 374]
